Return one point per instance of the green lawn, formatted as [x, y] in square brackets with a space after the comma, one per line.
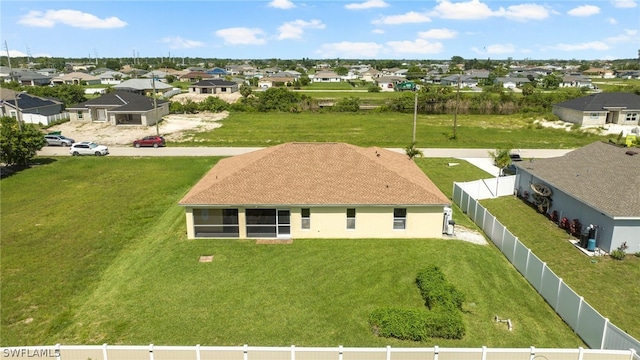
[388, 130]
[609, 285]
[94, 250]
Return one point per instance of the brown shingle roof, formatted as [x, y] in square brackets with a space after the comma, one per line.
[601, 175]
[316, 174]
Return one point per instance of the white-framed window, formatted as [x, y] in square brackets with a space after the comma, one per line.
[80, 114]
[306, 219]
[399, 219]
[351, 219]
[631, 116]
[594, 115]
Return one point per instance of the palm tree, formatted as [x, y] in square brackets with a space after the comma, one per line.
[501, 158]
[412, 151]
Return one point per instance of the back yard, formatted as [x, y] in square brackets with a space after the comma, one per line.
[102, 256]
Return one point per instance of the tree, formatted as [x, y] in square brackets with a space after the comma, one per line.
[501, 158]
[551, 82]
[527, 89]
[412, 151]
[113, 64]
[342, 71]
[246, 91]
[19, 143]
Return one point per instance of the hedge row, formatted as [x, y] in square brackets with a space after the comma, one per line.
[443, 319]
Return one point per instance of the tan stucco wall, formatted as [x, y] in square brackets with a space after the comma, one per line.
[371, 222]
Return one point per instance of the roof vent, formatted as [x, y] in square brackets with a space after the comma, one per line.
[631, 152]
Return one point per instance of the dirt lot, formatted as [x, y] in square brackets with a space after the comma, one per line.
[173, 127]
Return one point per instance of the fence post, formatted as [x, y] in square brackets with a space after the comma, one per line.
[245, 355]
[198, 352]
[604, 332]
[532, 353]
[633, 354]
[340, 352]
[513, 252]
[150, 351]
[104, 352]
[555, 307]
[544, 266]
[484, 352]
[388, 352]
[57, 351]
[579, 311]
[580, 353]
[435, 352]
[526, 266]
[293, 352]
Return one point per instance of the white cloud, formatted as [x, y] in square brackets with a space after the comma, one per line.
[525, 12]
[369, 4]
[592, 45]
[69, 17]
[624, 3]
[281, 4]
[476, 10]
[584, 10]
[438, 34]
[612, 21]
[629, 35]
[411, 17]
[377, 31]
[470, 10]
[242, 36]
[419, 46]
[176, 42]
[495, 49]
[295, 29]
[16, 53]
[347, 49]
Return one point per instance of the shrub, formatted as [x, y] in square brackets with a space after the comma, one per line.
[617, 254]
[404, 324]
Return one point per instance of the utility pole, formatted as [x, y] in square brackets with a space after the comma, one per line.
[455, 111]
[15, 96]
[415, 114]
[155, 104]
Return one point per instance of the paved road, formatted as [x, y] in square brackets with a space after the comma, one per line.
[231, 151]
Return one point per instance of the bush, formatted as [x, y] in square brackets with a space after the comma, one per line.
[443, 321]
[618, 254]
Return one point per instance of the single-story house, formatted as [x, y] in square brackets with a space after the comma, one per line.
[195, 76]
[111, 77]
[267, 82]
[388, 83]
[325, 76]
[600, 109]
[120, 108]
[315, 190]
[32, 109]
[598, 184]
[144, 86]
[575, 81]
[214, 86]
[76, 78]
[511, 82]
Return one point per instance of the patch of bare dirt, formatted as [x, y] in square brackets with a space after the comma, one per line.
[230, 98]
[174, 127]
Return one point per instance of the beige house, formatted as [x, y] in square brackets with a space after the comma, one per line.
[120, 108]
[315, 190]
[600, 109]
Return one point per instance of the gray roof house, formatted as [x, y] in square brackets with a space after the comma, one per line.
[213, 86]
[598, 185]
[600, 109]
[32, 109]
[144, 86]
[120, 108]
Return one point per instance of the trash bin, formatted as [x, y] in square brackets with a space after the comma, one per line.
[450, 227]
[591, 245]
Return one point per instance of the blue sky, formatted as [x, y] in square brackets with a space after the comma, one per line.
[293, 29]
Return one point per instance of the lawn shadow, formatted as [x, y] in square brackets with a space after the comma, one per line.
[10, 170]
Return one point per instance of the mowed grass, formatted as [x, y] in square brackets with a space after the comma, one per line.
[94, 250]
[391, 129]
[610, 286]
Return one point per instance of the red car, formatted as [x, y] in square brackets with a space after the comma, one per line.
[154, 141]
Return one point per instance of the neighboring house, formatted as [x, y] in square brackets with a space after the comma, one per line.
[370, 75]
[76, 78]
[111, 77]
[32, 109]
[464, 80]
[512, 82]
[120, 108]
[267, 82]
[598, 185]
[600, 109]
[388, 83]
[214, 86]
[31, 78]
[575, 81]
[315, 190]
[156, 74]
[144, 86]
[195, 76]
[217, 72]
[325, 76]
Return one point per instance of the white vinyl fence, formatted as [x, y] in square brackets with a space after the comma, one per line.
[42, 119]
[198, 352]
[594, 329]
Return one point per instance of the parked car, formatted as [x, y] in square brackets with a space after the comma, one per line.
[154, 141]
[88, 148]
[58, 140]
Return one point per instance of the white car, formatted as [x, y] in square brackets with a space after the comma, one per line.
[88, 148]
